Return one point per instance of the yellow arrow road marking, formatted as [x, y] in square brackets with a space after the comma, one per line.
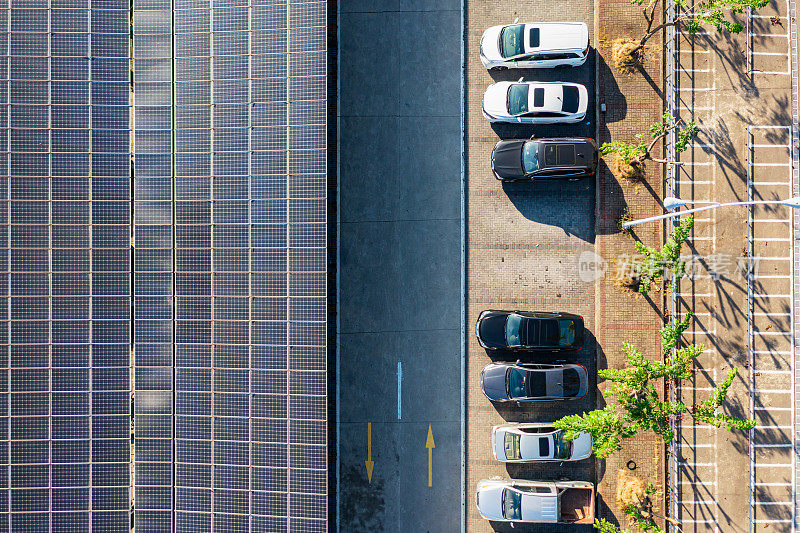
[430, 445]
[369, 462]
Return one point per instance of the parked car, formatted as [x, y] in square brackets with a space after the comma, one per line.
[529, 331]
[537, 45]
[536, 442]
[530, 382]
[536, 159]
[545, 502]
[533, 102]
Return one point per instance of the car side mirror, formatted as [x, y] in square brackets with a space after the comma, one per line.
[519, 404]
[520, 79]
[515, 20]
[518, 362]
[511, 524]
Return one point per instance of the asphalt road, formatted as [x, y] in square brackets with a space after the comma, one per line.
[400, 293]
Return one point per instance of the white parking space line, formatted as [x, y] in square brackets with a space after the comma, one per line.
[763, 155]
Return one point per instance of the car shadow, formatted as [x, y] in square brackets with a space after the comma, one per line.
[613, 195]
[568, 205]
[506, 527]
[611, 95]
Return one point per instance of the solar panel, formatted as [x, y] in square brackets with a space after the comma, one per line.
[64, 267]
[230, 210]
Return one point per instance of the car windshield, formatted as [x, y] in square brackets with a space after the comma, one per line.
[563, 447]
[518, 99]
[512, 505]
[572, 382]
[516, 383]
[511, 40]
[511, 445]
[512, 329]
[530, 157]
[566, 332]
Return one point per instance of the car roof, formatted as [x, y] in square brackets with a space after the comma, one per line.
[553, 36]
[548, 95]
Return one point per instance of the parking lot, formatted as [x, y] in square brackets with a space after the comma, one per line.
[739, 90]
[523, 245]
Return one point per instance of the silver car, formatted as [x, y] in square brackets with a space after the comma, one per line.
[536, 442]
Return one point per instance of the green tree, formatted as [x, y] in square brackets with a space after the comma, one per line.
[607, 427]
[637, 405]
[707, 411]
[656, 262]
[636, 153]
[671, 333]
[711, 13]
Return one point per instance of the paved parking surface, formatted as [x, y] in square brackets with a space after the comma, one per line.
[524, 241]
[739, 91]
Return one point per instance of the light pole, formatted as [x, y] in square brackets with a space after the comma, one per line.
[674, 203]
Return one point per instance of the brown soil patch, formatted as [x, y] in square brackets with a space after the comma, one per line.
[630, 490]
[623, 56]
[633, 171]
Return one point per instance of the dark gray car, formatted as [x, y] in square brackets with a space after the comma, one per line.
[535, 159]
[529, 331]
[523, 382]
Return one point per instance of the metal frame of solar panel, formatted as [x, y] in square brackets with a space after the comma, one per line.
[64, 265]
[230, 265]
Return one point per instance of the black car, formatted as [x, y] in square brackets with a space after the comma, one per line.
[521, 382]
[535, 159]
[529, 331]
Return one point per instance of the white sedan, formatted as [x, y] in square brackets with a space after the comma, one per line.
[532, 102]
[540, 45]
[532, 442]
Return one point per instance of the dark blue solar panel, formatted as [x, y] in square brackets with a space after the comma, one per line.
[230, 264]
[64, 269]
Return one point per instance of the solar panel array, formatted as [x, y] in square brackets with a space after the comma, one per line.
[230, 265]
[64, 265]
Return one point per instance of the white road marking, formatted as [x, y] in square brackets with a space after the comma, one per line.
[399, 390]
